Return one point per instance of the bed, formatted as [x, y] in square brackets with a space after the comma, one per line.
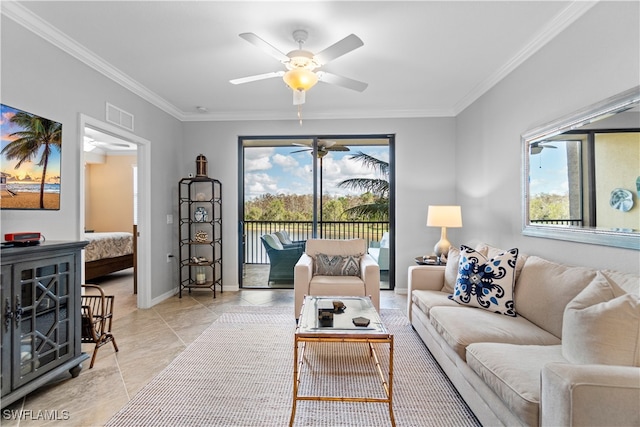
[107, 253]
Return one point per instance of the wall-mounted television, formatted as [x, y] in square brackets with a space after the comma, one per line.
[30, 154]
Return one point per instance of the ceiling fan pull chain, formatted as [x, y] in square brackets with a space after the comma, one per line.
[300, 113]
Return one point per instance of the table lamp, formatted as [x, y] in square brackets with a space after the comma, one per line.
[443, 216]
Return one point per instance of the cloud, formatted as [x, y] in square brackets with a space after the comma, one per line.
[257, 158]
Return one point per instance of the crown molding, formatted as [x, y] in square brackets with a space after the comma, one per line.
[332, 115]
[561, 21]
[32, 22]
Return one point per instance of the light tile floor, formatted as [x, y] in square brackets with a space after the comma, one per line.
[148, 341]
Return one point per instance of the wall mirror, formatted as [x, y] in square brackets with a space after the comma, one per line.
[581, 175]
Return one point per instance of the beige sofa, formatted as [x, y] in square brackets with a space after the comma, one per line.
[569, 357]
[308, 280]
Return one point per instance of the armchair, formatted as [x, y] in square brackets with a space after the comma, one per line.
[307, 283]
[281, 259]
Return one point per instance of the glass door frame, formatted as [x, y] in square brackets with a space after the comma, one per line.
[316, 199]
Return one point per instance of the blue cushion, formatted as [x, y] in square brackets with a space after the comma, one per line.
[486, 283]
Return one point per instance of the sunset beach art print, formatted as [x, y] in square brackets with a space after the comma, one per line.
[29, 160]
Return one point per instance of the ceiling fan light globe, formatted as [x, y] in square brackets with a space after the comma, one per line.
[300, 79]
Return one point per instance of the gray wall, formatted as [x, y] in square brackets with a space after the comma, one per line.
[473, 159]
[42, 79]
[595, 58]
[425, 158]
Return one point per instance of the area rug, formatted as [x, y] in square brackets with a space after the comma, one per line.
[239, 372]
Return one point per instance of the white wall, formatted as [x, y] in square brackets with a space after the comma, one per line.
[597, 57]
[39, 78]
[425, 159]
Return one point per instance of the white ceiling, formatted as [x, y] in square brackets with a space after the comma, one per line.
[420, 58]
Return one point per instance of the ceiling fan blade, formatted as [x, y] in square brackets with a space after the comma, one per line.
[257, 77]
[338, 148]
[264, 46]
[301, 151]
[334, 79]
[336, 50]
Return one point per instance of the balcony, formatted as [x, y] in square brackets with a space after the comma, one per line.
[256, 261]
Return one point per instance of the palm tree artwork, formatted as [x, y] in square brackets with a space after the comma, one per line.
[36, 140]
[378, 209]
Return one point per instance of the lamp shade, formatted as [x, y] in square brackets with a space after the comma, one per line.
[444, 216]
[300, 79]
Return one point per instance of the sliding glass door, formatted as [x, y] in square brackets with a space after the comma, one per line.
[334, 187]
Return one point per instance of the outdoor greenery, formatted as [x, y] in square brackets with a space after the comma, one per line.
[549, 206]
[371, 205]
[294, 207]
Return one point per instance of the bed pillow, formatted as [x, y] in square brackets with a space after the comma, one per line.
[486, 283]
[601, 325]
[336, 265]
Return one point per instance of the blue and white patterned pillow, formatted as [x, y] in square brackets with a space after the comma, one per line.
[486, 283]
[336, 265]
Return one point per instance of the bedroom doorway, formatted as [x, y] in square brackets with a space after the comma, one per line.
[128, 157]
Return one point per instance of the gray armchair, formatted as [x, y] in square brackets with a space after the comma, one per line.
[281, 259]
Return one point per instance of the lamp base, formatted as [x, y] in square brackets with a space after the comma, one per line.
[441, 248]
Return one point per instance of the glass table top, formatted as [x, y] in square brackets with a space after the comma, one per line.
[342, 322]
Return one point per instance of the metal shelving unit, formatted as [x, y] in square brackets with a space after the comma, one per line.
[200, 234]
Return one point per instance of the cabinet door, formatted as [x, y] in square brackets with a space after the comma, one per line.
[6, 327]
[43, 333]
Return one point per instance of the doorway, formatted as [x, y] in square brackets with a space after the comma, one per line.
[312, 187]
[114, 139]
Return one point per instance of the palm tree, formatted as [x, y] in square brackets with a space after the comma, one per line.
[37, 133]
[379, 187]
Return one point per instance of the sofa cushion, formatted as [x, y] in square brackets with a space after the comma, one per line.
[513, 373]
[283, 236]
[273, 241]
[493, 251]
[629, 282]
[336, 265]
[337, 286]
[486, 283]
[545, 288]
[602, 325]
[336, 247]
[451, 269]
[461, 326]
[426, 300]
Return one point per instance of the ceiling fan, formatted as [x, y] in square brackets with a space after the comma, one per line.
[301, 64]
[324, 146]
[537, 147]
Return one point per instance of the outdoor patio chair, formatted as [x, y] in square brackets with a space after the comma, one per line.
[97, 315]
[281, 259]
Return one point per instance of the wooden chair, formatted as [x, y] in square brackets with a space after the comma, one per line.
[97, 314]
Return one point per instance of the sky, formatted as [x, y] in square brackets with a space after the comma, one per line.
[548, 171]
[27, 168]
[286, 170]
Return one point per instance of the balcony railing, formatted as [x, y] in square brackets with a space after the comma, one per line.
[254, 252]
[574, 222]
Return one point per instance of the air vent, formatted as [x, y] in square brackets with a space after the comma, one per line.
[119, 117]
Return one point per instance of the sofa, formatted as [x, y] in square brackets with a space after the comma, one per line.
[566, 353]
[379, 251]
[336, 267]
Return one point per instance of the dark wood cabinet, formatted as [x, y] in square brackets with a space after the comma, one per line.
[41, 332]
[200, 234]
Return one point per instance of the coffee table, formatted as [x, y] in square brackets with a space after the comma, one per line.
[342, 330]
